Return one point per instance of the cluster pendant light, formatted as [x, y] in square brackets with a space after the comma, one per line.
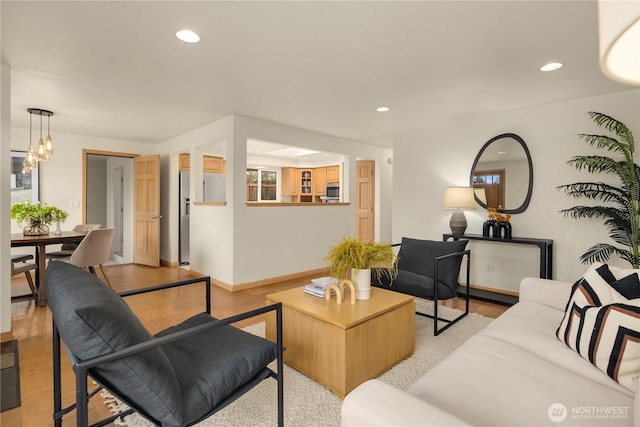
[44, 149]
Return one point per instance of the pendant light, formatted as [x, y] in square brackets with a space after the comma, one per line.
[41, 149]
[44, 149]
[49, 141]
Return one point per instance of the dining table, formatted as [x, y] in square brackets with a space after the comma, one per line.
[40, 243]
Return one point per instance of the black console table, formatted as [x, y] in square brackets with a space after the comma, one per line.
[546, 260]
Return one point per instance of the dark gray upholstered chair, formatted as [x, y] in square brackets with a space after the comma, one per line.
[420, 262]
[178, 377]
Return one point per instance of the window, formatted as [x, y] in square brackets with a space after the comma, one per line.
[24, 186]
[262, 185]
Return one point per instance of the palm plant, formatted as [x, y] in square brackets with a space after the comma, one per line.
[620, 215]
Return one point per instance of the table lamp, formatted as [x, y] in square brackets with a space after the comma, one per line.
[458, 198]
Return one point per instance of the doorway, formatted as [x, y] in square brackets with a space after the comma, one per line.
[107, 197]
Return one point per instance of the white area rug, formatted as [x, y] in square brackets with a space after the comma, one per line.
[307, 403]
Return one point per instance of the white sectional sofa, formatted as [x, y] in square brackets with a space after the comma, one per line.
[513, 373]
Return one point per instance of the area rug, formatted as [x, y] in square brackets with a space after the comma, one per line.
[307, 403]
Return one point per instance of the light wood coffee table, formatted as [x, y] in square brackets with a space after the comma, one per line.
[343, 345]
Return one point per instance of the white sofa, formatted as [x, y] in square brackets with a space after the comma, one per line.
[513, 373]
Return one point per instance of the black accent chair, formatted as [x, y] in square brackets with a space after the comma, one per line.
[178, 377]
[419, 263]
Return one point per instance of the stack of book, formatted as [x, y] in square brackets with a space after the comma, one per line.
[318, 287]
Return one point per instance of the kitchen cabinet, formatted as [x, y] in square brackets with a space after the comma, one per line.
[319, 181]
[290, 182]
[213, 164]
[333, 174]
[210, 164]
[184, 162]
[306, 185]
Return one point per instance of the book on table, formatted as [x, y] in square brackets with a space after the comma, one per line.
[318, 287]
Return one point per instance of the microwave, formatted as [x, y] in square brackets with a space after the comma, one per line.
[333, 191]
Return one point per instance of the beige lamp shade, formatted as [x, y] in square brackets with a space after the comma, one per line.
[458, 198]
[619, 37]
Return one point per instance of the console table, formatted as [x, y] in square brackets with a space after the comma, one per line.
[546, 256]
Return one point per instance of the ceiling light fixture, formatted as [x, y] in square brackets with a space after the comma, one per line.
[551, 66]
[188, 36]
[44, 148]
[619, 37]
[382, 109]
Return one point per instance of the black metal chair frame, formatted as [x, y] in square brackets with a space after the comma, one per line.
[435, 317]
[81, 368]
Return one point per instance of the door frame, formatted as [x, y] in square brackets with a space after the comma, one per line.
[85, 153]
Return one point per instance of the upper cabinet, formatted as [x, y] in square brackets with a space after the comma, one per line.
[214, 164]
[290, 182]
[320, 181]
[333, 174]
[184, 163]
[210, 164]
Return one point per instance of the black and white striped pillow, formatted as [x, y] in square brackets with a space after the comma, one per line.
[603, 325]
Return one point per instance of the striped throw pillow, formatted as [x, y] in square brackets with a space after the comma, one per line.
[602, 325]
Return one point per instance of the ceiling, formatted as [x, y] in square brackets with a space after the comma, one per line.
[116, 70]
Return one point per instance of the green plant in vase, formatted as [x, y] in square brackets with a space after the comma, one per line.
[359, 257]
[36, 217]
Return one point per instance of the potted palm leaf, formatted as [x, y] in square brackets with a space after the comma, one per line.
[359, 257]
[36, 217]
[621, 212]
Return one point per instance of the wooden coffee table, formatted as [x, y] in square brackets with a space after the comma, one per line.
[343, 345]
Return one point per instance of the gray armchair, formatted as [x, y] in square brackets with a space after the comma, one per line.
[178, 377]
[429, 269]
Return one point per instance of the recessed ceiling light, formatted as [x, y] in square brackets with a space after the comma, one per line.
[382, 109]
[551, 66]
[188, 36]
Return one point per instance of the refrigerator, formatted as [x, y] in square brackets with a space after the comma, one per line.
[214, 187]
[185, 206]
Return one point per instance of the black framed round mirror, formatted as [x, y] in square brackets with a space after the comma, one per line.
[503, 169]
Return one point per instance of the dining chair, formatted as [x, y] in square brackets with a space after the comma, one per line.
[94, 250]
[20, 265]
[67, 248]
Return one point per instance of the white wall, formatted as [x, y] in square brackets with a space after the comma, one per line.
[267, 241]
[429, 159]
[5, 197]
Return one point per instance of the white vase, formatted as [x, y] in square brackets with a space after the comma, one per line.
[362, 280]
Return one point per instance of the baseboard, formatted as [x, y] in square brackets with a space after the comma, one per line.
[264, 282]
[495, 290]
[169, 263]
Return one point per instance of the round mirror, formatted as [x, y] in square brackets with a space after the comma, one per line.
[503, 169]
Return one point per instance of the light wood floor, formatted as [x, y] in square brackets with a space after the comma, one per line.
[31, 326]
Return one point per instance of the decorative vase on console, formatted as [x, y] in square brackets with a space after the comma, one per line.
[497, 226]
[489, 228]
[503, 230]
